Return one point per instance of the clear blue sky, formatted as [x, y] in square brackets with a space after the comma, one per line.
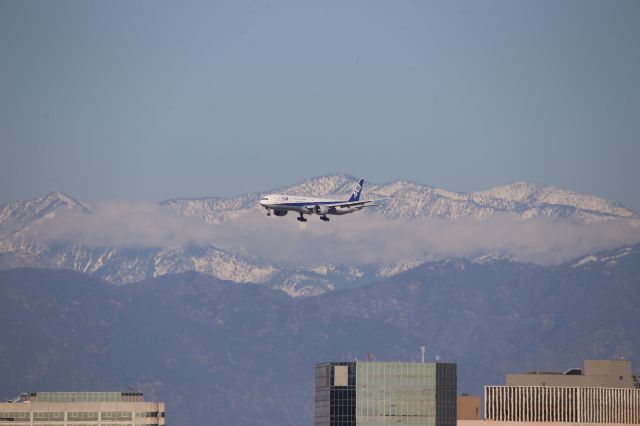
[147, 100]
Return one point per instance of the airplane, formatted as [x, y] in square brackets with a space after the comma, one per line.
[282, 204]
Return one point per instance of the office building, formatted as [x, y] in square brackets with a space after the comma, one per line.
[385, 393]
[82, 409]
[603, 392]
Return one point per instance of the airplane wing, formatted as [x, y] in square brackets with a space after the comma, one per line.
[309, 209]
[366, 203]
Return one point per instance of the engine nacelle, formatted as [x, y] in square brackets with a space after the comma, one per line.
[280, 212]
[321, 210]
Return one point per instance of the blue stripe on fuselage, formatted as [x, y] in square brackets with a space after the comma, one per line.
[305, 204]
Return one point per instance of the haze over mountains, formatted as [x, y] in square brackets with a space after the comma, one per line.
[231, 239]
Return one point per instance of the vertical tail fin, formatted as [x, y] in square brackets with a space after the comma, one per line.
[355, 195]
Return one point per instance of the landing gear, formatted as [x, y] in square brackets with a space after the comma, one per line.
[268, 212]
[301, 218]
[325, 218]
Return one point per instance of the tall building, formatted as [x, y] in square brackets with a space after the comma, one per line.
[82, 409]
[603, 392]
[385, 393]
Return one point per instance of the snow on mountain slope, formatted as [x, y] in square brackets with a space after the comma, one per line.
[123, 266]
[529, 196]
[213, 210]
[609, 258]
[412, 200]
[217, 210]
[37, 208]
[391, 270]
[409, 201]
[15, 215]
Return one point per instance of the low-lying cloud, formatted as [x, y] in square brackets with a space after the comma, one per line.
[125, 224]
[353, 239]
[363, 239]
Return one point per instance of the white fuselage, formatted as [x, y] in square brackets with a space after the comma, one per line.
[306, 205]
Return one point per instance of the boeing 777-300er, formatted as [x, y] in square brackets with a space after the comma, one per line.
[282, 204]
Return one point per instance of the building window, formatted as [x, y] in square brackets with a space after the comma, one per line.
[13, 416]
[48, 416]
[79, 416]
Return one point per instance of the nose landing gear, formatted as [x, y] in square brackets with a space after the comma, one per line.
[324, 218]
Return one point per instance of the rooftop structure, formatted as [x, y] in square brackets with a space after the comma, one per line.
[82, 409]
[596, 373]
[468, 407]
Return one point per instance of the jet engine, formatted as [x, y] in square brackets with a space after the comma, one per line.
[321, 210]
[280, 212]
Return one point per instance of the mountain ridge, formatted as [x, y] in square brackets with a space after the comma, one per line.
[447, 202]
[410, 202]
[340, 184]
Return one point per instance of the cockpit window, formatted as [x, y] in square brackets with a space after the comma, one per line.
[263, 199]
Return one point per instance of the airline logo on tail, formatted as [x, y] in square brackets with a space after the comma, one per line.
[355, 196]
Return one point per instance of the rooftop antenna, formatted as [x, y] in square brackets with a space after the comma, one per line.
[423, 349]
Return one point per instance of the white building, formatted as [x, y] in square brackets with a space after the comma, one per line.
[603, 392]
[82, 409]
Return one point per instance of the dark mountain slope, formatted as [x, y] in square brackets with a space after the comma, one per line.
[244, 354]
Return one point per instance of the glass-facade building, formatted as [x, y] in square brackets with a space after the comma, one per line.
[82, 409]
[385, 393]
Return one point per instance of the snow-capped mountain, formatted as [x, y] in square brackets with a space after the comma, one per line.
[411, 200]
[16, 215]
[408, 201]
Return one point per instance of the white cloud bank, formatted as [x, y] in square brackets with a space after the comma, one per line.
[353, 239]
[125, 224]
